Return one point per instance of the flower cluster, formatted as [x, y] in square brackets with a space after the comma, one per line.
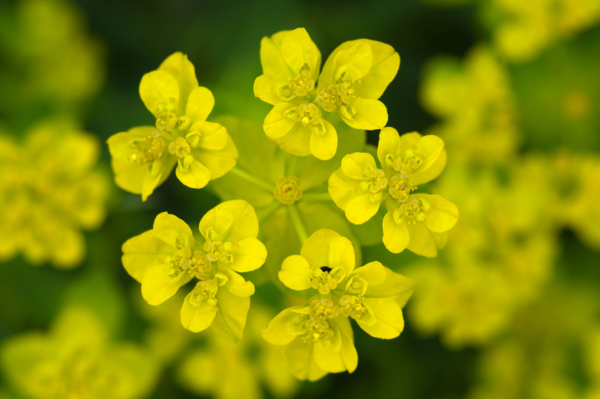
[269, 188]
[415, 221]
[143, 157]
[372, 295]
[352, 80]
[50, 190]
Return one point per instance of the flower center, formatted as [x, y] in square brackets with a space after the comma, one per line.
[182, 148]
[413, 210]
[166, 118]
[216, 249]
[148, 149]
[287, 190]
[351, 306]
[324, 279]
[207, 291]
[299, 86]
[337, 95]
[375, 181]
[309, 115]
[318, 329]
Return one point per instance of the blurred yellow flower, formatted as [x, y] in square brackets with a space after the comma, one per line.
[167, 257]
[49, 191]
[475, 104]
[231, 371]
[143, 157]
[353, 79]
[76, 359]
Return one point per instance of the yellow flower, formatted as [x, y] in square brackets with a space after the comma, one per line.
[354, 77]
[143, 157]
[49, 192]
[77, 360]
[167, 257]
[318, 338]
[414, 221]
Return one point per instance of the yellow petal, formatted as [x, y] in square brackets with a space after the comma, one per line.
[157, 286]
[369, 114]
[199, 105]
[213, 136]
[300, 360]
[388, 315]
[196, 176]
[173, 231]
[343, 189]
[142, 252]
[237, 285]
[153, 177]
[250, 255]
[394, 286]
[294, 273]
[354, 61]
[323, 146]
[421, 240]
[219, 162]
[354, 165]
[183, 71]
[233, 220]
[373, 273]
[271, 58]
[159, 87]
[361, 209]
[296, 141]
[276, 123]
[389, 143]
[298, 49]
[384, 68]
[316, 250]
[433, 171]
[197, 318]
[395, 235]
[442, 216]
[265, 88]
[277, 333]
[231, 317]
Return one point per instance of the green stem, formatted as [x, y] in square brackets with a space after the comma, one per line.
[291, 169]
[316, 197]
[264, 213]
[253, 179]
[297, 222]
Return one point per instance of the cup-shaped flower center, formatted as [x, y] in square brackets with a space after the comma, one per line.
[324, 279]
[287, 190]
[300, 86]
[148, 149]
[352, 306]
[216, 249]
[166, 118]
[341, 94]
[413, 210]
[404, 164]
[373, 180]
[400, 188]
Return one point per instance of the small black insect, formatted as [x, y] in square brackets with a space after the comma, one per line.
[326, 269]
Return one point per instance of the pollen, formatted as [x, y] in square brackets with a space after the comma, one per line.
[300, 86]
[148, 149]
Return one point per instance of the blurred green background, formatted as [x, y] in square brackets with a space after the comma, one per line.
[541, 345]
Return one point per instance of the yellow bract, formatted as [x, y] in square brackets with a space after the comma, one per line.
[143, 157]
[49, 192]
[318, 338]
[353, 78]
[168, 257]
